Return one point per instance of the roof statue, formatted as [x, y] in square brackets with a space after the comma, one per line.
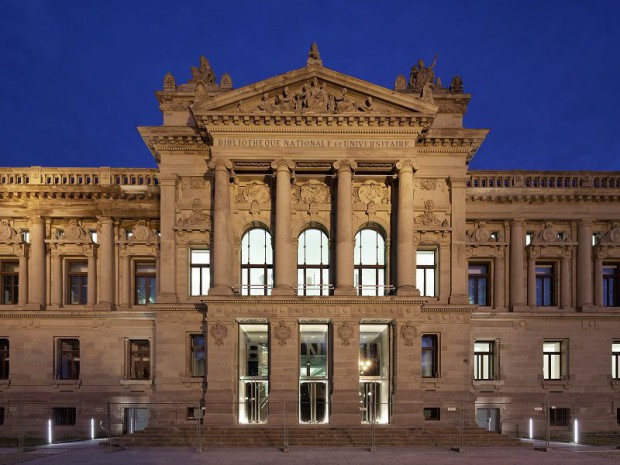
[203, 73]
[313, 56]
[421, 75]
[169, 82]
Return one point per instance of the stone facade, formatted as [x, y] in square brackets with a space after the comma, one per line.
[485, 288]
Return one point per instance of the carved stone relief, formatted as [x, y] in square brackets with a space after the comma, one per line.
[197, 217]
[254, 190]
[7, 233]
[612, 236]
[428, 218]
[218, 332]
[481, 234]
[312, 191]
[372, 191]
[408, 332]
[142, 233]
[345, 333]
[75, 233]
[548, 235]
[282, 333]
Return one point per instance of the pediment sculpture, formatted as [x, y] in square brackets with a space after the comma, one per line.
[142, 233]
[312, 191]
[75, 233]
[7, 233]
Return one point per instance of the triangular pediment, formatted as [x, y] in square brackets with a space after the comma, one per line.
[313, 90]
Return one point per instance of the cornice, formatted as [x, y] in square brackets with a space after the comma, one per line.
[325, 301]
[477, 194]
[72, 315]
[549, 316]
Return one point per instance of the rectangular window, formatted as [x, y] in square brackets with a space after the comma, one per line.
[253, 373]
[478, 284]
[139, 359]
[432, 413]
[615, 360]
[559, 416]
[554, 360]
[611, 285]
[145, 288]
[426, 272]
[77, 282]
[545, 284]
[484, 360]
[4, 358]
[313, 373]
[64, 416]
[9, 277]
[1, 415]
[430, 356]
[374, 366]
[197, 355]
[200, 270]
[68, 359]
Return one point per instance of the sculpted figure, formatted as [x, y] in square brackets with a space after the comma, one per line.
[203, 73]
[341, 102]
[285, 100]
[367, 105]
[421, 75]
[265, 104]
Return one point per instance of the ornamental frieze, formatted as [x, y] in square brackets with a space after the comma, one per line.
[8, 234]
[611, 237]
[312, 191]
[371, 191]
[75, 233]
[254, 191]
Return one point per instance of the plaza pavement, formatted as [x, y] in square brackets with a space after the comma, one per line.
[99, 455]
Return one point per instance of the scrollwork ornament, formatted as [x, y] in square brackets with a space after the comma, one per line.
[408, 332]
[282, 333]
[345, 333]
[6, 231]
[371, 191]
[218, 332]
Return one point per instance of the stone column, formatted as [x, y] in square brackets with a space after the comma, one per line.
[405, 260]
[56, 275]
[126, 282]
[516, 264]
[283, 270]
[498, 281]
[344, 228]
[166, 292]
[584, 264]
[37, 263]
[565, 288]
[598, 277]
[458, 258]
[221, 280]
[531, 278]
[91, 296]
[23, 275]
[106, 263]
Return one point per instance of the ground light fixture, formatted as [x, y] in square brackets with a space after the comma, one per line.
[531, 428]
[92, 428]
[576, 431]
[49, 431]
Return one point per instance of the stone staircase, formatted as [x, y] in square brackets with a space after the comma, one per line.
[265, 436]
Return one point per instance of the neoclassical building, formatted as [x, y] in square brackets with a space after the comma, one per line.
[313, 248]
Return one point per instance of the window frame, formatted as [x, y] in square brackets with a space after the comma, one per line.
[12, 279]
[64, 416]
[611, 292]
[200, 267]
[137, 355]
[434, 349]
[425, 272]
[541, 279]
[491, 355]
[324, 287]
[195, 349]
[82, 280]
[615, 360]
[475, 300]
[72, 355]
[562, 360]
[266, 265]
[359, 268]
[5, 352]
[150, 280]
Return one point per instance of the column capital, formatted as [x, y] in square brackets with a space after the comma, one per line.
[345, 165]
[283, 164]
[36, 220]
[407, 165]
[105, 220]
[220, 164]
[518, 221]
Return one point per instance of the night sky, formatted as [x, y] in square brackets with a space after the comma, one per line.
[77, 77]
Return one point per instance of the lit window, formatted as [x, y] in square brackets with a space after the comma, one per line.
[4, 359]
[554, 360]
[256, 262]
[200, 272]
[145, 288]
[253, 373]
[374, 367]
[484, 360]
[313, 263]
[615, 360]
[478, 284]
[9, 277]
[426, 271]
[369, 260]
[68, 359]
[139, 359]
[430, 356]
[197, 355]
[545, 280]
[313, 373]
[611, 285]
[77, 283]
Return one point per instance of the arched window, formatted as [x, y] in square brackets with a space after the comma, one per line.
[256, 262]
[313, 263]
[369, 260]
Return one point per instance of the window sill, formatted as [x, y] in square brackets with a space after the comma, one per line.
[4, 384]
[556, 384]
[192, 381]
[137, 385]
[487, 384]
[430, 384]
[67, 385]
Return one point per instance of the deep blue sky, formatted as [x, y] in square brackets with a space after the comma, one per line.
[77, 77]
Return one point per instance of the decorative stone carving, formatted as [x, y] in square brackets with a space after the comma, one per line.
[371, 210]
[141, 232]
[456, 86]
[197, 183]
[226, 81]
[197, 217]
[312, 191]
[372, 191]
[169, 83]
[7, 233]
[421, 75]
[345, 333]
[428, 218]
[255, 190]
[75, 233]
[282, 333]
[427, 93]
[313, 210]
[480, 234]
[218, 332]
[408, 332]
[314, 58]
[400, 83]
[255, 210]
[203, 73]
[611, 237]
[547, 235]
[428, 184]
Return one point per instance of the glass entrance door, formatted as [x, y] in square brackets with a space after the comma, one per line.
[313, 374]
[374, 366]
[253, 373]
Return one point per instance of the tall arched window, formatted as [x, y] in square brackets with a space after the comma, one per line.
[369, 260]
[313, 263]
[256, 262]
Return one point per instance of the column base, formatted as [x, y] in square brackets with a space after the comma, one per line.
[345, 290]
[221, 290]
[408, 290]
[458, 299]
[282, 290]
